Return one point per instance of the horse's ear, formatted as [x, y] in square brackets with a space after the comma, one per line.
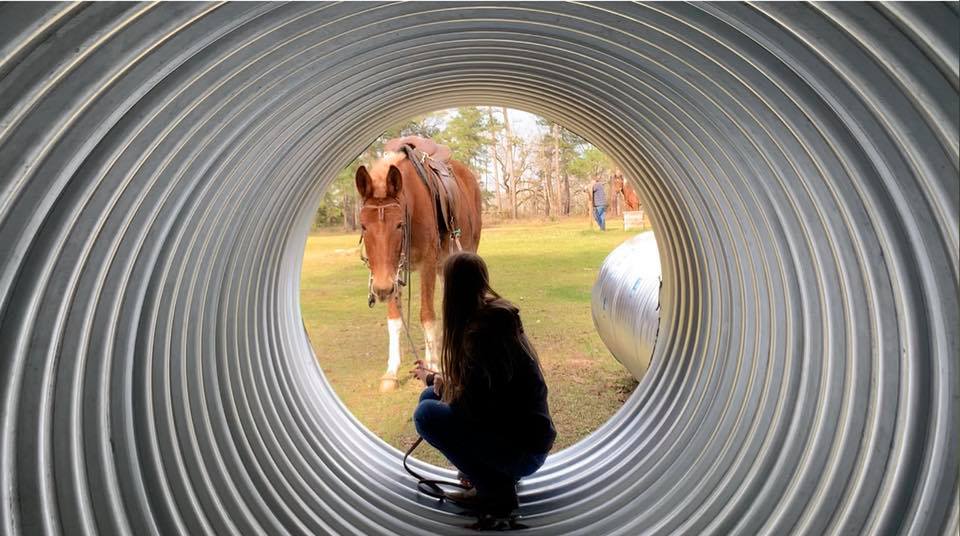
[394, 182]
[364, 184]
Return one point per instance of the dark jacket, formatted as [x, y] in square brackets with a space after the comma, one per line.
[506, 397]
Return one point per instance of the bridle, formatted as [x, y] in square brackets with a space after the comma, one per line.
[403, 266]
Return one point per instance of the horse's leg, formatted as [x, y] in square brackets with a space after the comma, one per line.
[428, 280]
[394, 326]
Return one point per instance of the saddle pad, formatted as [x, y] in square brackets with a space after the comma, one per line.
[424, 145]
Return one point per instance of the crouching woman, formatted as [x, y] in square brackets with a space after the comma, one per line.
[488, 412]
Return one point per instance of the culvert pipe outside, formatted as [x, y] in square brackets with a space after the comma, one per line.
[160, 167]
[625, 302]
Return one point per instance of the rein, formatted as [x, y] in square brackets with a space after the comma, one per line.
[428, 486]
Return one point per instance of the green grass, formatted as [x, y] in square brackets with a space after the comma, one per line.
[546, 269]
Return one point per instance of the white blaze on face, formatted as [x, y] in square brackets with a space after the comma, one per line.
[394, 326]
[432, 345]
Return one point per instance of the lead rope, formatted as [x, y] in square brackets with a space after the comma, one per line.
[406, 328]
[424, 485]
[429, 486]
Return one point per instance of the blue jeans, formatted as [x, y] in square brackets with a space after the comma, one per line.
[598, 214]
[492, 466]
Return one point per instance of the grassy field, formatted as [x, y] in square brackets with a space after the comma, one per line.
[547, 269]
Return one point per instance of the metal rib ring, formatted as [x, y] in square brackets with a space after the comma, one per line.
[160, 164]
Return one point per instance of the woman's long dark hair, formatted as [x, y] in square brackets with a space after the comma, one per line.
[466, 288]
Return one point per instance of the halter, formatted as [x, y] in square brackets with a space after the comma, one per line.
[403, 266]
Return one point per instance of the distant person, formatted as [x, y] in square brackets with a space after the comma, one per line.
[598, 202]
[488, 411]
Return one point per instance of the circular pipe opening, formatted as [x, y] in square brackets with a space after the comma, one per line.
[162, 163]
[544, 262]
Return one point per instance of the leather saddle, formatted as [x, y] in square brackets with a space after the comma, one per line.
[431, 162]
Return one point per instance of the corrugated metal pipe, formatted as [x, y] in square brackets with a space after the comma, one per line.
[625, 302]
[159, 169]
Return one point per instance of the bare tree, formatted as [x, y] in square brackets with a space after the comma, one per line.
[563, 180]
[492, 152]
[508, 157]
[525, 180]
[545, 174]
[346, 207]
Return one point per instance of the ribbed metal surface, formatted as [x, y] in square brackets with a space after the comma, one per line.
[625, 302]
[161, 163]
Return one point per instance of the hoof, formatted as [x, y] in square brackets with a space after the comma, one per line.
[388, 383]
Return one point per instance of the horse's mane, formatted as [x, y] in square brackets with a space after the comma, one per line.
[379, 169]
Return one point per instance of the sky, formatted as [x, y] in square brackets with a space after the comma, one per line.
[524, 124]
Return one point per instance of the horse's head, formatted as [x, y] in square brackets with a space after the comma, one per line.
[617, 184]
[382, 227]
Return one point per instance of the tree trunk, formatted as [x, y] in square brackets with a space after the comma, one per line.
[545, 173]
[566, 194]
[512, 180]
[555, 171]
[345, 209]
[492, 151]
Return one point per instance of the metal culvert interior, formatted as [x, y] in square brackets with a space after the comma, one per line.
[160, 165]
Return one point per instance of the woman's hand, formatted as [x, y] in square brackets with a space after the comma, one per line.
[421, 372]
